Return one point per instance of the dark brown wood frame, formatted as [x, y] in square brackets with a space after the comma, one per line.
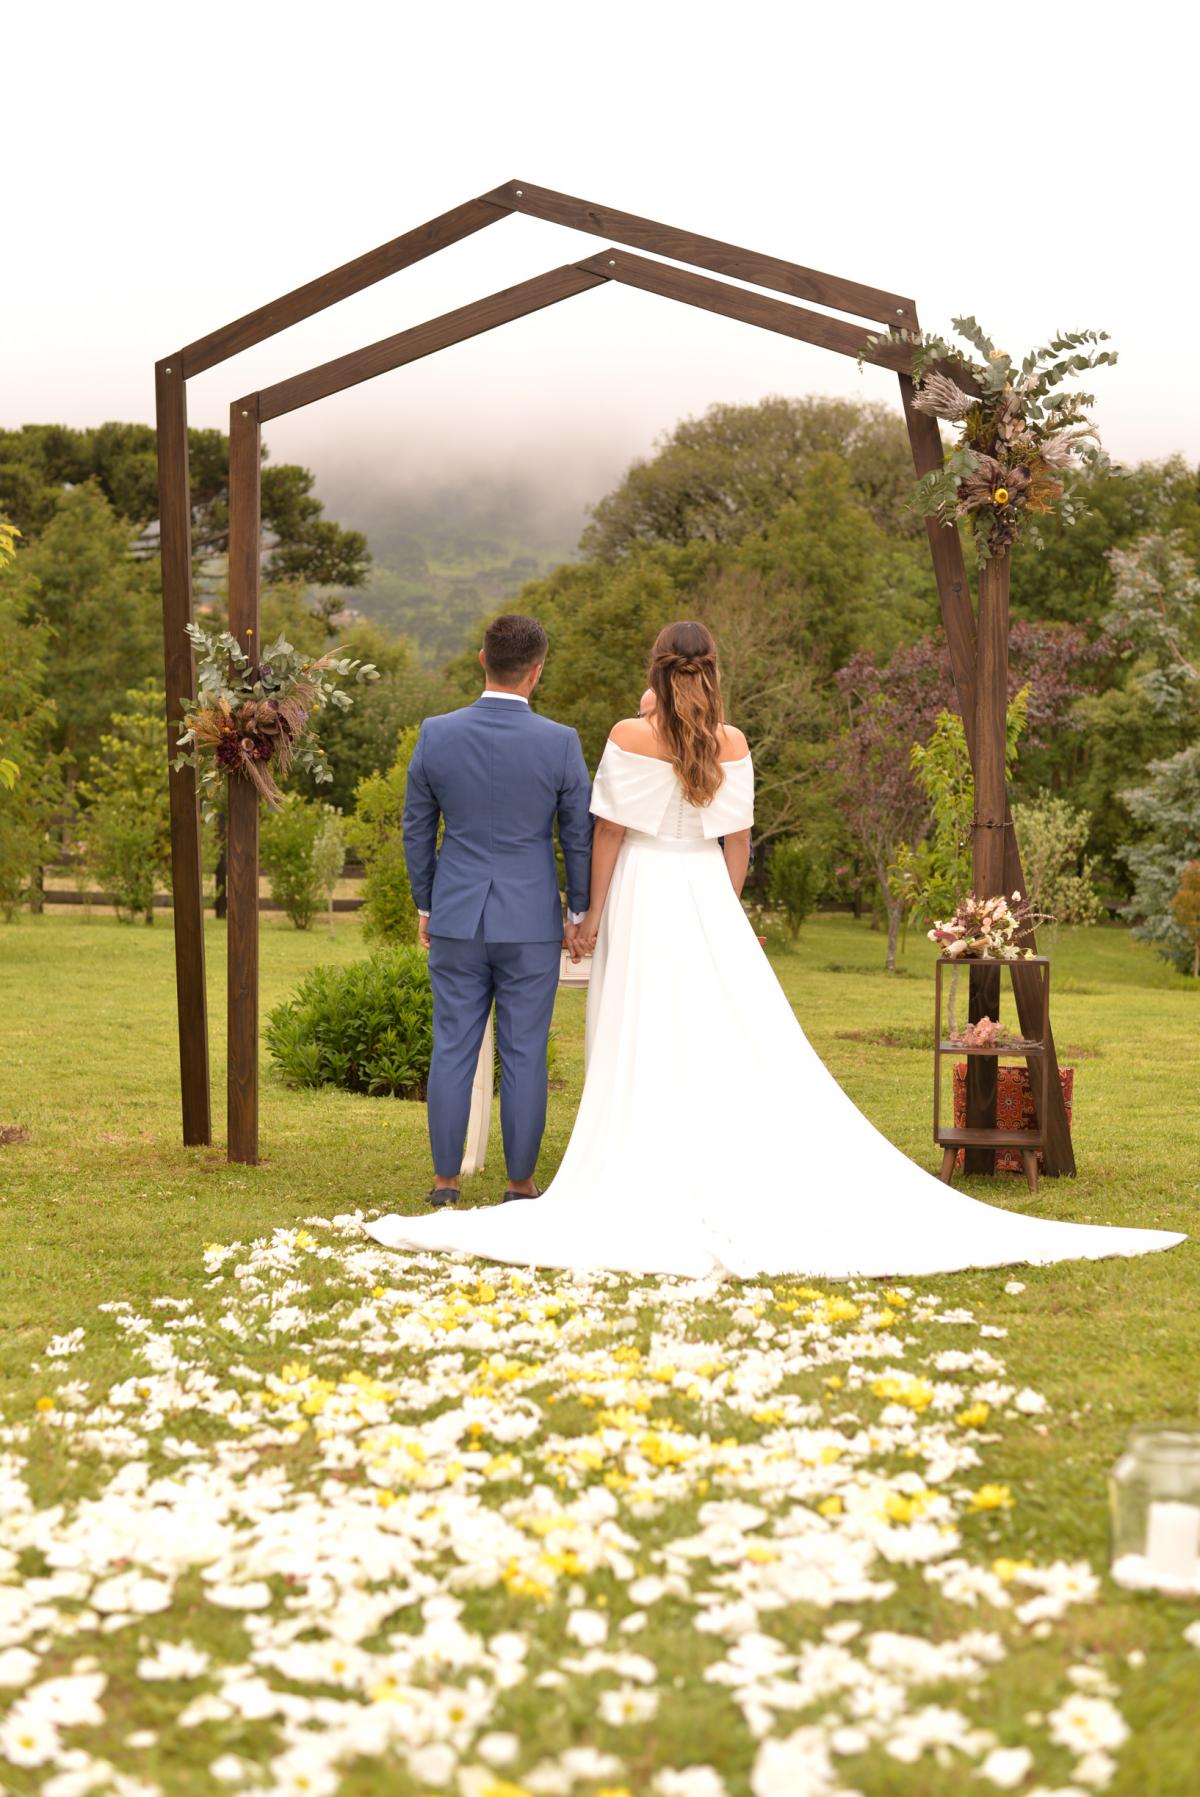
[981, 705]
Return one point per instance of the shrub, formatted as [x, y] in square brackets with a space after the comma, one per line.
[289, 848]
[367, 1027]
[1059, 876]
[128, 825]
[376, 837]
[794, 880]
[329, 856]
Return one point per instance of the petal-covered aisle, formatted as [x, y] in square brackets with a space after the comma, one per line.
[501, 1533]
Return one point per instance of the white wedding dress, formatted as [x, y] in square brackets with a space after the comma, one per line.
[710, 1136]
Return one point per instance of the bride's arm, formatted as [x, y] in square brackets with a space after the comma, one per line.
[606, 843]
[737, 858]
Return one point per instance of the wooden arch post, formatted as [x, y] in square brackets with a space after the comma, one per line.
[982, 717]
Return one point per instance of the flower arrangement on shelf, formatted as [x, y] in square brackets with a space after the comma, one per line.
[252, 718]
[987, 929]
[1019, 439]
[987, 1033]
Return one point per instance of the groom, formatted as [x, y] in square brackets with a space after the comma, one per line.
[497, 775]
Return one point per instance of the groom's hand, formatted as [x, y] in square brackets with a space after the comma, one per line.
[571, 938]
[423, 929]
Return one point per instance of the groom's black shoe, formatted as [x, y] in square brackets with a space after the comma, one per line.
[443, 1195]
[513, 1197]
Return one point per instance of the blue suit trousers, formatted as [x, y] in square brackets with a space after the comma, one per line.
[522, 979]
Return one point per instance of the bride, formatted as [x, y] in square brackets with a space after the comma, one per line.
[710, 1136]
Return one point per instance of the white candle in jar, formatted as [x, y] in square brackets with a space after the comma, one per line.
[1173, 1543]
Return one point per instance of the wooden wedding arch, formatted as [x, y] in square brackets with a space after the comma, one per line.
[978, 653]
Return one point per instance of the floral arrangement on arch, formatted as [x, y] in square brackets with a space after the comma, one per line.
[1020, 439]
[251, 718]
[987, 929]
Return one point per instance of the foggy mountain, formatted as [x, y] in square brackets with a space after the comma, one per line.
[450, 551]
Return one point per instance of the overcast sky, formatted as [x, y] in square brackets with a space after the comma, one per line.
[181, 163]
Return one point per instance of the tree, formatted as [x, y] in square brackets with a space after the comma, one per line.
[102, 611]
[1060, 879]
[31, 791]
[127, 825]
[1154, 618]
[1185, 908]
[774, 694]
[38, 461]
[362, 741]
[933, 875]
[1168, 806]
[8, 548]
[794, 880]
[376, 835]
[722, 477]
[329, 855]
[289, 839]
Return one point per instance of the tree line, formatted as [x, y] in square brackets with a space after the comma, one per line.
[787, 527]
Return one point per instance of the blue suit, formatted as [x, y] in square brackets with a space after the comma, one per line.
[496, 775]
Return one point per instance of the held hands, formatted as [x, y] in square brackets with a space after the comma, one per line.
[581, 937]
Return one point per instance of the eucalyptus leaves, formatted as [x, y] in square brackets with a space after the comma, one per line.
[1021, 439]
[252, 718]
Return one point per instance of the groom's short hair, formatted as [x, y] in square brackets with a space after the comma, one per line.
[513, 644]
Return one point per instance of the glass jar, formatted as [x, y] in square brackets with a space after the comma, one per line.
[1154, 1499]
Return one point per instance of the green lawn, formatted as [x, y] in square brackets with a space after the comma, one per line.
[100, 1205]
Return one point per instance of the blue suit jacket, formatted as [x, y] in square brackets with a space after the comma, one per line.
[498, 775]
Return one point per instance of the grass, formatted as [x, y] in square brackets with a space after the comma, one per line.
[101, 1203]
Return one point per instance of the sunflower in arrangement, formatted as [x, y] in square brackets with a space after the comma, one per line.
[251, 719]
[1022, 436]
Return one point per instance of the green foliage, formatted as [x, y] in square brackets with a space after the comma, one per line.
[1185, 908]
[723, 477]
[288, 841]
[932, 875]
[38, 461]
[363, 741]
[1154, 619]
[1060, 878]
[1167, 805]
[366, 1028]
[127, 825]
[101, 607]
[329, 855]
[376, 835]
[795, 877]
[30, 770]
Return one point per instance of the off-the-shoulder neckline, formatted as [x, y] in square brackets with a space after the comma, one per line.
[737, 761]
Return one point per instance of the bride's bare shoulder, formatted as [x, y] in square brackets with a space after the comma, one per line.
[634, 734]
[733, 744]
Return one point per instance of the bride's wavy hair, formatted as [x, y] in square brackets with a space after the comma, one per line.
[688, 713]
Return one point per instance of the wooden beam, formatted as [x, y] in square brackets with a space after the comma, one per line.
[707, 252]
[242, 940]
[425, 339]
[175, 549]
[958, 618]
[987, 844]
[338, 284]
[746, 307]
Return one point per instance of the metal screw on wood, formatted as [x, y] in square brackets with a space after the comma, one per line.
[520, 193]
[166, 371]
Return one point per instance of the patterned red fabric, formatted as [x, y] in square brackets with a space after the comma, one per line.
[1014, 1108]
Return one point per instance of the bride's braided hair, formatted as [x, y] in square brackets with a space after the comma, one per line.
[688, 713]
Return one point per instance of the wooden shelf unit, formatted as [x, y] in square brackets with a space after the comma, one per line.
[1032, 1052]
